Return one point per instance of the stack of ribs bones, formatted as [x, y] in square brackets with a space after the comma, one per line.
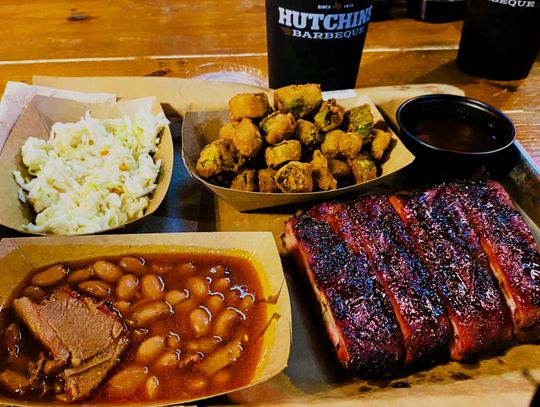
[414, 279]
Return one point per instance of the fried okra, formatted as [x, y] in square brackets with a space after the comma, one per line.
[267, 181]
[288, 150]
[247, 138]
[363, 168]
[360, 120]
[330, 116]
[307, 133]
[217, 157]
[294, 177]
[278, 127]
[227, 131]
[350, 144]
[300, 100]
[322, 177]
[245, 180]
[380, 143]
[248, 105]
[330, 145]
[338, 168]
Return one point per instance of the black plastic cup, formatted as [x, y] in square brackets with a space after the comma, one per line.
[455, 128]
[316, 42]
[500, 39]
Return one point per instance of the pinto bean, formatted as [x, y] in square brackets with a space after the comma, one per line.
[150, 349]
[134, 265]
[204, 345]
[161, 268]
[107, 271]
[122, 306]
[184, 307]
[78, 276]
[185, 270]
[197, 286]
[167, 361]
[199, 321]
[174, 296]
[218, 271]
[127, 381]
[53, 275]
[127, 287]
[173, 341]
[246, 303]
[215, 303]
[152, 287]
[221, 285]
[225, 322]
[148, 312]
[151, 388]
[97, 288]
[34, 293]
[223, 357]
[12, 339]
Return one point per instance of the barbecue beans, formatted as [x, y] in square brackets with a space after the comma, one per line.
[182, 318]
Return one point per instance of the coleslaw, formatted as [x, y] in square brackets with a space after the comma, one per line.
[91, 175]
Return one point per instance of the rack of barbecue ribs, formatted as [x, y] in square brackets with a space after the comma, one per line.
[415, 279]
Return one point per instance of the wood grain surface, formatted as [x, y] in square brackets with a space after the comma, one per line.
[180, 38]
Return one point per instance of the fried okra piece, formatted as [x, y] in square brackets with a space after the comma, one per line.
[322, 177]
[363, 168]
[350, 144]
[380, 143]
[217, 157]
[300, 100]
[227, 130]
[330, 116]
[308, 133]
[248, 105]
[245, 180]
[330, 145]
[247, 138]
[294, 177]
[360, 120]
[338, 168]
[288, 150]
[267, 181]
[278, 127]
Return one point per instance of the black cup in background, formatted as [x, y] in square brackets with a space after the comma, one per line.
[500, 38]
[316, 41]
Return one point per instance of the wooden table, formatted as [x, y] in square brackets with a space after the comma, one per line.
[185, 38]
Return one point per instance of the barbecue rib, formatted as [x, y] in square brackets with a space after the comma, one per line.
[510, 247]
[460, 269]
[440, 260]
[357, 311]
[418, 308]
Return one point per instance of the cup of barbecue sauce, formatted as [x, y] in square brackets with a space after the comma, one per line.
[454, 130]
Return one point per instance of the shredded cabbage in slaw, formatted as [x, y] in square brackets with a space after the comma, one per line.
[91, 175]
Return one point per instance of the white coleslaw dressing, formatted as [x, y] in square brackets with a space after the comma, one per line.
[91, 175]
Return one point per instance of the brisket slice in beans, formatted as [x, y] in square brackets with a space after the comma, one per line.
[460, 269]
[419, 309]
[512, 250]
[357, 312]
[79, 334]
